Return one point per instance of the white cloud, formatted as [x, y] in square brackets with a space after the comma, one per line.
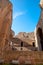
[18, 14]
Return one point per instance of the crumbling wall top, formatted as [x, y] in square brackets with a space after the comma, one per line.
[41, 3]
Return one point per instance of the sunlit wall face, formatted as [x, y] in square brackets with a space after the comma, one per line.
[41, 3]
[26, 14]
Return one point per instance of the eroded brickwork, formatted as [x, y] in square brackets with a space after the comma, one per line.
[39, 29]
[7, 40]
[5, 22]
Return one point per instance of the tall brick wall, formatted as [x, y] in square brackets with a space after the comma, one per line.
[39, 29]
[5, 22]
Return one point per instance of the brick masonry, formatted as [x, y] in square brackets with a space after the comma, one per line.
[6, 36]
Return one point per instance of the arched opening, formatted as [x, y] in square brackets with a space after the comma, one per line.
[40, 34]
[21, 45]
[33, 44]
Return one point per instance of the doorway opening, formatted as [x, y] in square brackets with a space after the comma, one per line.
[21, 45]
[40, 34]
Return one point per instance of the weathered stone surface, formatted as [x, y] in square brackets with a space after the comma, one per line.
[33, 56]
[41, 3]
[7, 38]
[39, 29]
[27, 37]
[5, 23]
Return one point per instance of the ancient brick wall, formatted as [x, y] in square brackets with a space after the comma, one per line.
[5, 22]
[26, 37]
[32, 56]
[39, 30]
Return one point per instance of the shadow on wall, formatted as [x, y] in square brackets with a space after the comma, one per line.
[40, 35]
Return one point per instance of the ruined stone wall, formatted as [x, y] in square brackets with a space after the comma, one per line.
[26, 37]
[32, 56]
[5, 22]
[39, 29]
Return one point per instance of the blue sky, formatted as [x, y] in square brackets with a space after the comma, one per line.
[26, 14]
